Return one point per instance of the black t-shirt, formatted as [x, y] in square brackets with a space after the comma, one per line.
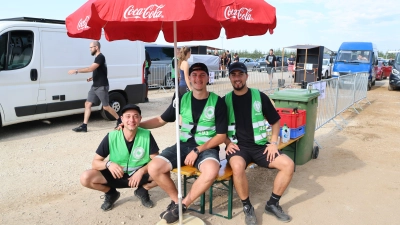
[242, 105]
[229, 59]
[236, 59]
[291, 61]
[271, 59]
[100, 74]
[104, 148]
[221, 122]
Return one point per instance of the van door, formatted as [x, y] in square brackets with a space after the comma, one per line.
[19, 75]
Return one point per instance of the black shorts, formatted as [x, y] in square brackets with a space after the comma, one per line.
[123, 182]
[146, 75]
[254, 155]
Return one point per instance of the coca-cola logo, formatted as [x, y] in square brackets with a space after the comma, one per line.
[239, 14]
[82, 24]
[151, 12]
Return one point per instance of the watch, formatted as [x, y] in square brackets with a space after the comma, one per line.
[274, 142]
[196, 150]
[76, 71]
[108, 164]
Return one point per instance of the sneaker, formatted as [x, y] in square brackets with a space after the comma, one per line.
[109, 200]
[278, 212]
[173, 215]
[80, 129]
[250, 216]
[145, 199]
[146, 99]
[169, 207]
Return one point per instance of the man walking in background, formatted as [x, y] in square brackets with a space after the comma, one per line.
[229, 58]
[146, 74]
[99, 90]
[271, 64]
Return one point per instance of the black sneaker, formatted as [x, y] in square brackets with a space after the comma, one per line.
[145, 199]
[169, 207]
[146, 99]
[250, 216]
[173, 215]
[109, 200]
[81, 128]
[278, 212]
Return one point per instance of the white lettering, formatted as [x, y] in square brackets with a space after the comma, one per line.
[151, 12]
[82, 24]
[239, 14]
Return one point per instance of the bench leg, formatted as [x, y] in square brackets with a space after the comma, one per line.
[211, 200]
[184, 185]
[230, 197]
[203, 203]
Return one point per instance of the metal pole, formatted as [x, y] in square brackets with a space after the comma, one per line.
[305, 67]
[178, 146]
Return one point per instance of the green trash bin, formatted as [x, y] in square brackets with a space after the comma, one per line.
[302, 99]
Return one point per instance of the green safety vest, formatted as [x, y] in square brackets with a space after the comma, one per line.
[205, 128]
[172, 69]
[257, 118]
[119, 153]
[147, 64]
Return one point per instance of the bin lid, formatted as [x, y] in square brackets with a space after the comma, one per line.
[296, 95]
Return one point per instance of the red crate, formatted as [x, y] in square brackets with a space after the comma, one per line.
[292, 120]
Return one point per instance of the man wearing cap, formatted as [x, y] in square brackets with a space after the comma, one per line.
[203, 129]
[247, 142]
[130, 150]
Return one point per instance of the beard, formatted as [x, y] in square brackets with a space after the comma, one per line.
[94, 52]
[238, 88]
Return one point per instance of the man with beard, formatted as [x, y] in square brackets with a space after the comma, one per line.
[203, 129]
[247, 142]
[129, 149]
[99, 90]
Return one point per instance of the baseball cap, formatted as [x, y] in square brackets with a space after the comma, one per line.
[198, 66]
[238, 66]
[130, 106]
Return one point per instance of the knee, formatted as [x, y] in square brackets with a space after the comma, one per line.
[88, 104]
[106, 107]
[287, 165]
[157, 166]
[85, 178]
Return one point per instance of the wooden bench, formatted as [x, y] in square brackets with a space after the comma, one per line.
[224, 177]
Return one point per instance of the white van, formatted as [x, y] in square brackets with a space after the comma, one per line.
[35, 56]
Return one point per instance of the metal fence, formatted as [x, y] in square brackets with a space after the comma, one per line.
[337, 95]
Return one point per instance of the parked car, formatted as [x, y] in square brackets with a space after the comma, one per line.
[383, 71]
[279, 63]
[326, 69]
[394, 78]
[261, 64]
[250, 63]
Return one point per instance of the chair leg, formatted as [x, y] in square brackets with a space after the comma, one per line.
[230, 197]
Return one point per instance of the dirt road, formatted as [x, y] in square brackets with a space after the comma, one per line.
[355, 180]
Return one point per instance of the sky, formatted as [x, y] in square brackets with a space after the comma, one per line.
[317, 22]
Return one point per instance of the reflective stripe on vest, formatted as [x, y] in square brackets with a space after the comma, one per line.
[119, 153]
[257, 118]
[205, 128]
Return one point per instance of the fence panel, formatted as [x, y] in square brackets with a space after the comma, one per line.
[345, 93]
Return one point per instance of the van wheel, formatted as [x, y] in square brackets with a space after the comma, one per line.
[326, 75]
[390, 88]
[373, 83]
[117, 102]
[369, 85]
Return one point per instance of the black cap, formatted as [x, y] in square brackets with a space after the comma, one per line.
[198, 66]
[130, 106]
[238, 66]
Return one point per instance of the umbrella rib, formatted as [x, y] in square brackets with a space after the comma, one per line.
[105, 24]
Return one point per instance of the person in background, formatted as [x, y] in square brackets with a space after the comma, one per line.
[146, 74]
[291, 65]
[183, 65]
[236, 57]
[223, 63]
[99, 90]
[271, 64]
[173, 71]
[129, 149]
[229, 58]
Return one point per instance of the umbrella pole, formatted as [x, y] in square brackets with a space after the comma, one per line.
[178, 146]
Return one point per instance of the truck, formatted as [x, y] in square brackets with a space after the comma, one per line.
[35, 56]
[353, 57]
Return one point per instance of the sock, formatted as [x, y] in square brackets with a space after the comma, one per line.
[274, 199]
[111, 191]
[84, 125]
[141, 191]
[246, 202]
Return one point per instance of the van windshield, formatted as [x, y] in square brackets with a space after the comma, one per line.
[356, 56]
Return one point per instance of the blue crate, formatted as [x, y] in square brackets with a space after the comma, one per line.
[295, 132]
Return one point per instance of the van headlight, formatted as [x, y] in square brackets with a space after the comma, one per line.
[335, 73]
[395, 72]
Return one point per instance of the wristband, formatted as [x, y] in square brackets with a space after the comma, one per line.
[108, 164]
[76, 71]
[274, 142]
